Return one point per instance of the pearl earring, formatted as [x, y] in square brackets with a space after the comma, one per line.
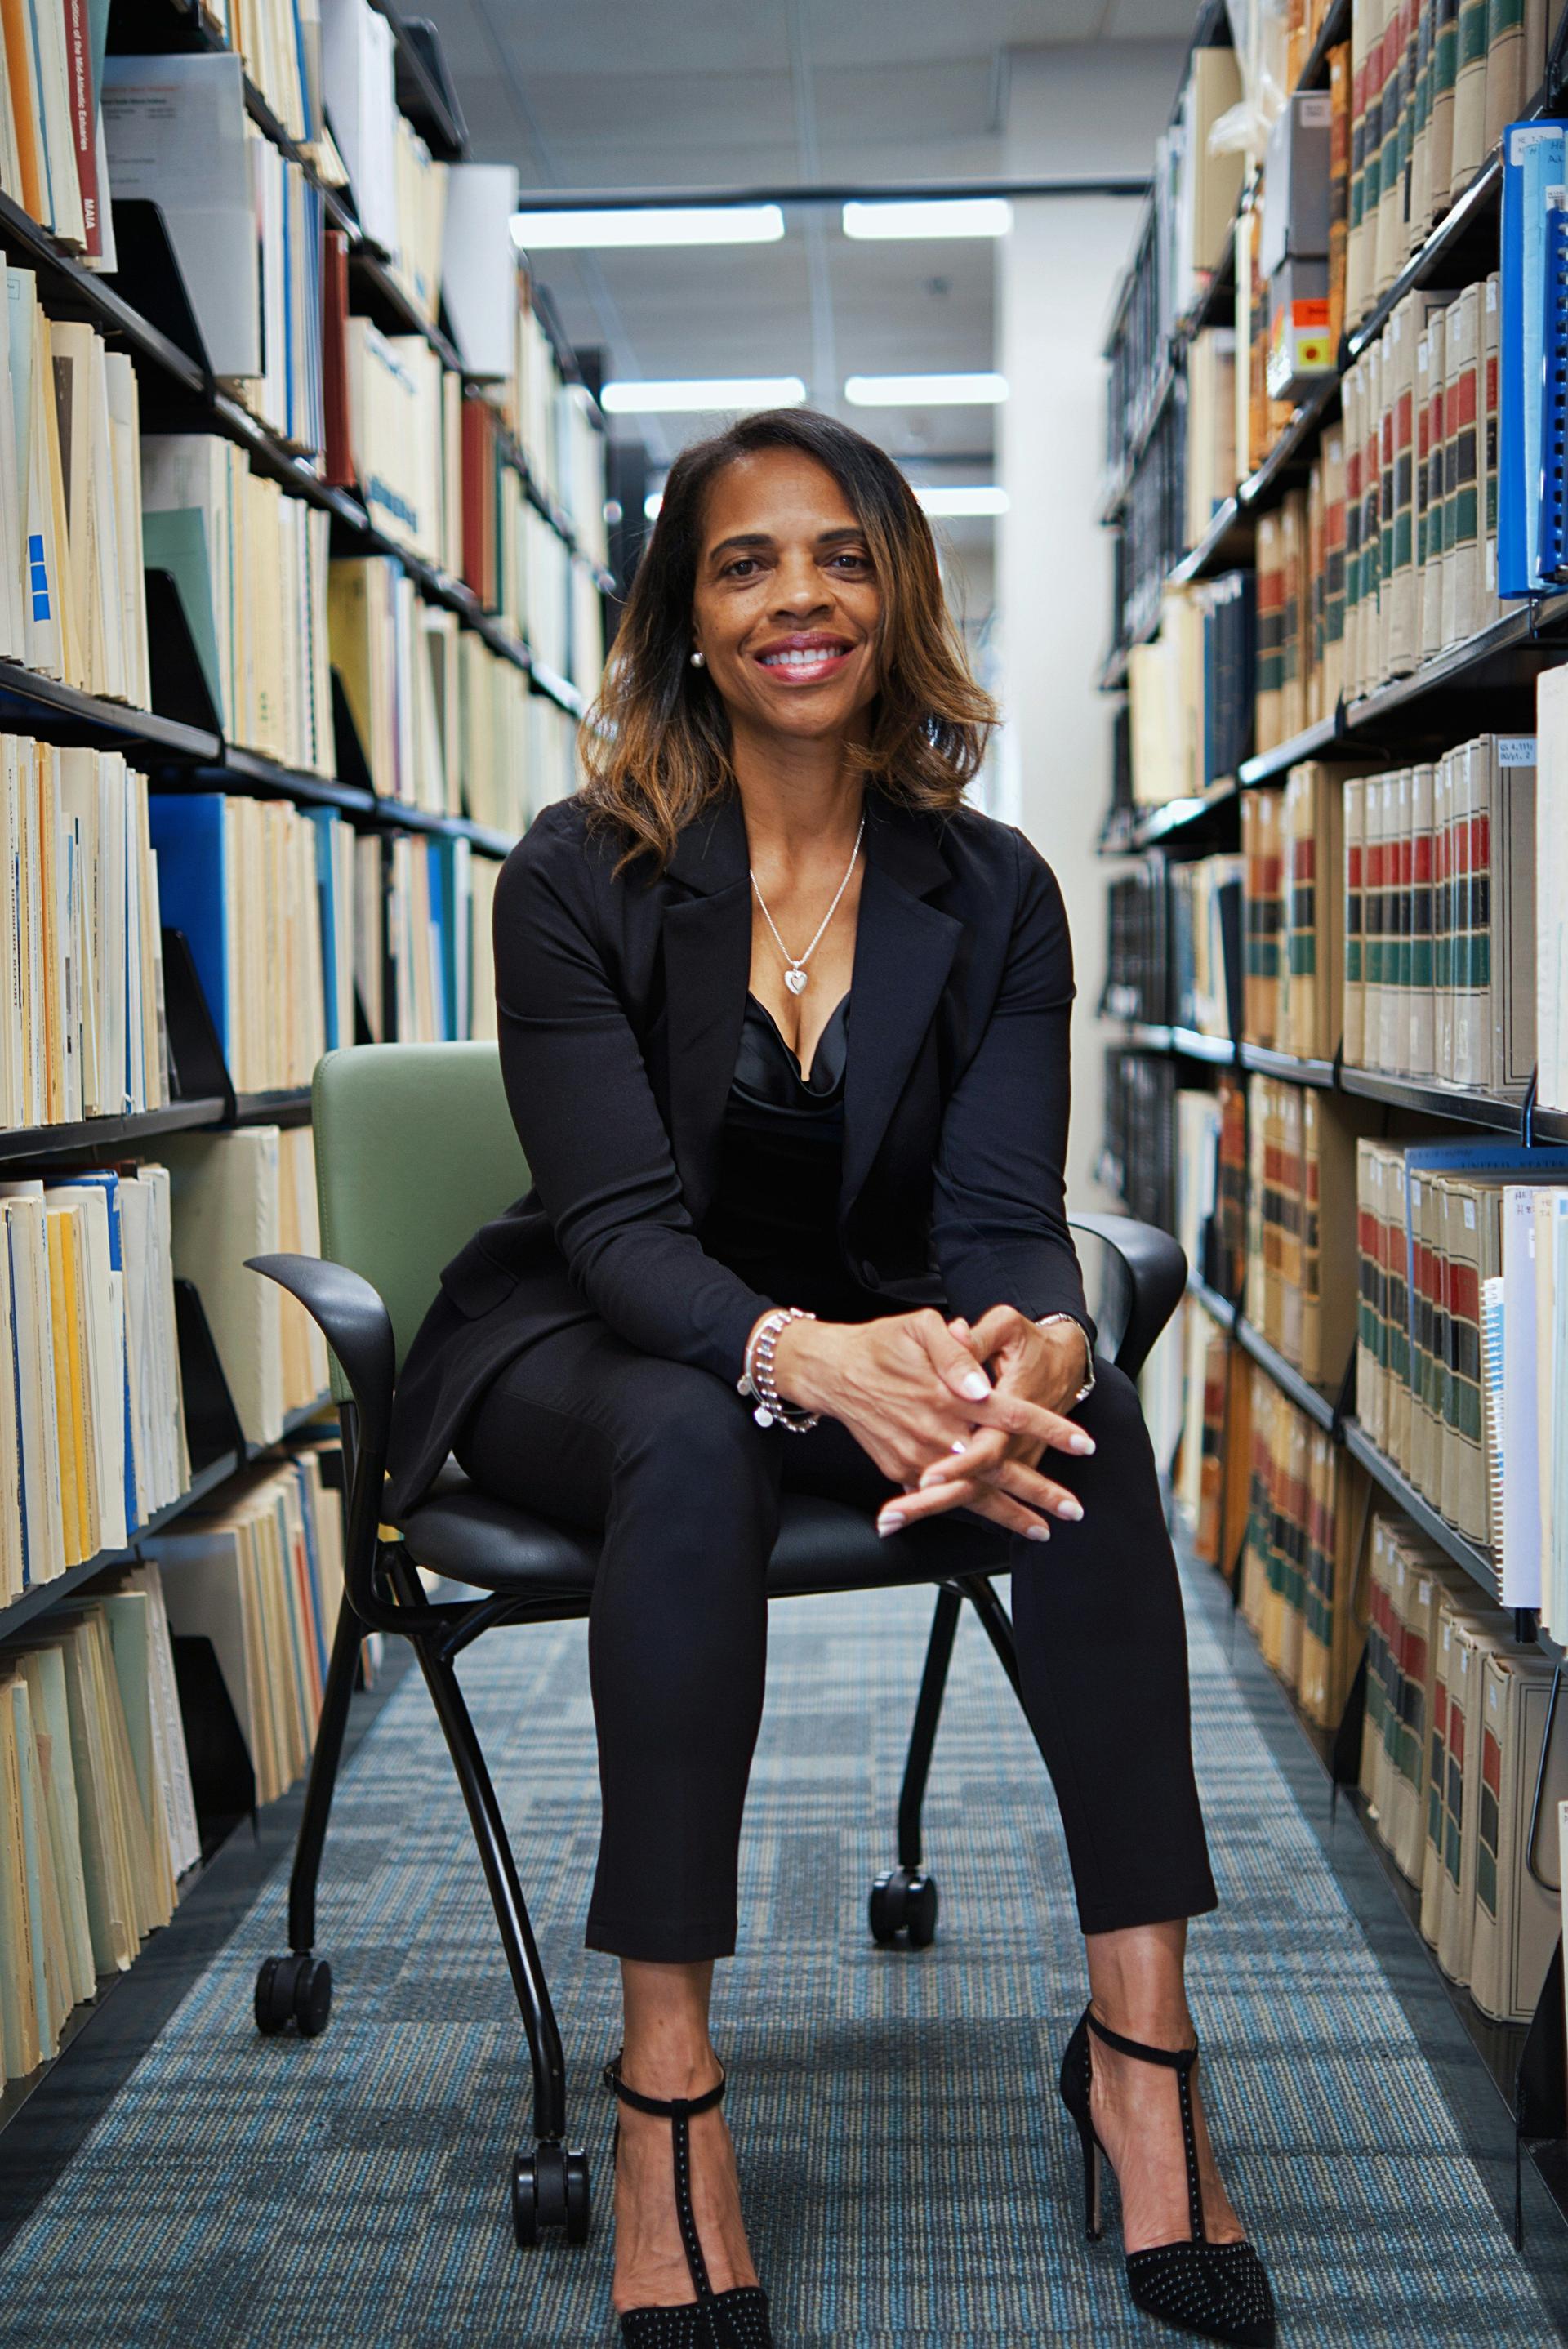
[698, 661]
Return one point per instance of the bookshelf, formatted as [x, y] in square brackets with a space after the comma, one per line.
[501, 612]
[1184, 1072]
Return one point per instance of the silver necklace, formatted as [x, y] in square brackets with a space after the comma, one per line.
[795, 971]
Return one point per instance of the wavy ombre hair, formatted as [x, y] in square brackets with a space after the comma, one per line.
[656, 746]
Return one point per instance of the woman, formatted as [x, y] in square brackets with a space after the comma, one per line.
[784, 1030]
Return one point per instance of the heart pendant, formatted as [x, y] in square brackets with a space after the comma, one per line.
[795, 980]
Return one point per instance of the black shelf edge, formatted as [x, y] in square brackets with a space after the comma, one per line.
[61, 708]
[208, 1481]
[1290, 449]
[1318, 1407]
[46, 1594]
[268, 778]
[1500, 1113]
[24, 1143]
[1173, 816]
[1185, 1043]
[1310, 743]
[290, 1106]
[1264, 1060]
[1286, 1376]
[1219, 1307]
[1532, 625]
[1216, 551]
[559, 689]
[65, 277]
[1399, 1488]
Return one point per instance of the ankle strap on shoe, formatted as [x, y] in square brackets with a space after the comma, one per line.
[1176, 2059]
[661, 2108]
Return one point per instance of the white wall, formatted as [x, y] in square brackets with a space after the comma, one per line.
[1071, 112]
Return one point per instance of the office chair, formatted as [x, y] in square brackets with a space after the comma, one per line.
[415, 1148]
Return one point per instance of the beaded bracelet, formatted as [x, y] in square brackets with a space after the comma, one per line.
[757, 1379]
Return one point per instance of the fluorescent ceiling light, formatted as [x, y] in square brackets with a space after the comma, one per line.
[932, 216]
[982, 499]
[925, 390]
[652, 503]
[587, 228]
[716, 395]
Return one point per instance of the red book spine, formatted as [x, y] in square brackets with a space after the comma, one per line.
[476, 481]
[83, 120]
[338, 457]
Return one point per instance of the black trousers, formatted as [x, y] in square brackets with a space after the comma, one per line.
[669, 1463]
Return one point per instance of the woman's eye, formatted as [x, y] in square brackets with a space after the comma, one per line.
[855, 562]
[741, 568]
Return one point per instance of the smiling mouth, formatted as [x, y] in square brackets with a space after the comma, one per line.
[806, 660]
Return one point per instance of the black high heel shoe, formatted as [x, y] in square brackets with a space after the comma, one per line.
[736, 2319]
[1220, 2290]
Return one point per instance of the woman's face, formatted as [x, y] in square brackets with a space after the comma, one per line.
[787, 604]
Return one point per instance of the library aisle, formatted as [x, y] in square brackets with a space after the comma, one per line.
[242, 2193]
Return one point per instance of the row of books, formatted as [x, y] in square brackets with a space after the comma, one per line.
[1432, 89]
[1212, 1175]
[81, 1029]
[1301, 1293]
[1297, 1567]
[1455, 1708]
[1294, 942]
[1192, 691]
[92, 1419]
[1452, 1744]
[298, 926]
[1138, 1143]
[98, 1820]
[1439, 917]
[1422, 483]
[1432, 1222]
[1301, 600]
[1195, 195]
[71, 599]
[92, 1431]
[1406, 920]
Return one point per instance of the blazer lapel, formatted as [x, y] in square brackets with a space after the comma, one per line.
[707, 942]
[904, 952]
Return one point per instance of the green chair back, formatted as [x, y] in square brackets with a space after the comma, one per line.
[414, 1149]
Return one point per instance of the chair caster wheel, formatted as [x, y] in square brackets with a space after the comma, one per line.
[550, 2188]
[903, 1900]
[296, 1989]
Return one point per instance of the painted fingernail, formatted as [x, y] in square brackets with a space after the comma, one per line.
[938, 1474]
[976, 1386]
[1037, 1533]
[960, 1445]
[1084, 1444]
[1071, 1510]
[889, 1521]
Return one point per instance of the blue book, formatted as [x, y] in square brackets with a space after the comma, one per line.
[188, 833]
[104, 1179]
[439, 854]
[325, 822]
[1532, 162]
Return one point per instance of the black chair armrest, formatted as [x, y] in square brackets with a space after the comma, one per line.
[359, 1327]
[1155, 1274]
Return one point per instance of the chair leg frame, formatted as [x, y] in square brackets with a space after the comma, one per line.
[927, 1714]
[342, 1672]
[500, 1867]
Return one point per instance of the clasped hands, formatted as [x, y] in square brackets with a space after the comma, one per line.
[958, 1416]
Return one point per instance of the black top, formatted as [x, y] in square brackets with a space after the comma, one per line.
[774, 1216]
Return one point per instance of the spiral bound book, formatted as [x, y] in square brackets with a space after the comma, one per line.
[1491, 1364]
[1554, 523]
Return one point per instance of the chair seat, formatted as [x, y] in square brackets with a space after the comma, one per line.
[822, 1545]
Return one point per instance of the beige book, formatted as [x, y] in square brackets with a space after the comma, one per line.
[1428, 1576]
[1462, 557]
[44, 1669]
[20, 2042]
[1469, 144]
[208, 1576]
[225, 1207]
[1515, 1926]
[1477, 1637]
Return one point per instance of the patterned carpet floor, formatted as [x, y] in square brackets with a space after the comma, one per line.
[908, 2176]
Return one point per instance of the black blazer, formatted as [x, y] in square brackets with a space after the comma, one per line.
[620, 1007]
